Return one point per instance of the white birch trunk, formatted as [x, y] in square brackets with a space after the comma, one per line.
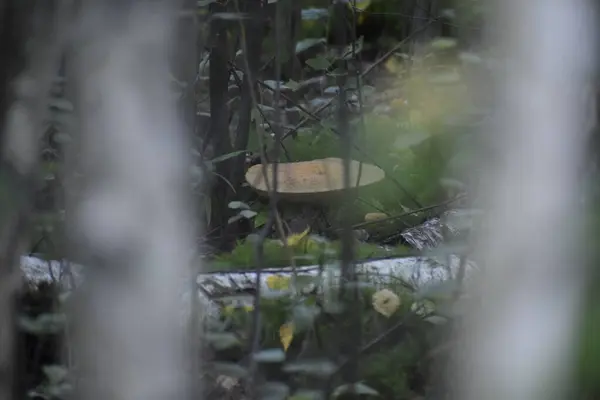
[135, 215]
[519, 341]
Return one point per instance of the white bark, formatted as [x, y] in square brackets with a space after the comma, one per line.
[135, 215]
[519, 341]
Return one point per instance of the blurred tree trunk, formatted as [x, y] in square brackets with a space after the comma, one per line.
[185, 69]
[12, 222]
[29, 52]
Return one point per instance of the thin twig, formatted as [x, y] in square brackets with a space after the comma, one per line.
[366, 72]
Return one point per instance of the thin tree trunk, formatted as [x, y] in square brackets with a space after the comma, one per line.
[254, 33]
[219, 129]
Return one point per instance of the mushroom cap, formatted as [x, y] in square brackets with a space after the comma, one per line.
[315, 181]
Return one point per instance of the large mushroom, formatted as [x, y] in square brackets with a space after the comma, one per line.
[311, 186]
[314, 182]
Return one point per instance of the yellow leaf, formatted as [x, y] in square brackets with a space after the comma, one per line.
[296, 239]
[398, 103]
[375, 216]
[286, 334]
[278, 282]
[362, 4]
[386, 302]
[393, 66]
[231, 309]
[228, 310]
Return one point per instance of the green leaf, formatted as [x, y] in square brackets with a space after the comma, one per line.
[60, 104]
[436, 320]
[43, 324]
[234, 205]
[315, 367]
[261, 218]
[304, 394]
[292, 84]
[470, 58]
[306, 44]
[443, 43]
[228, 16]
[60, 391]
[307, 282]
[269, 356]
[230, 369]
[227, 156]
[304, 316]
[222, 341]
[60, 120]
[409, 140]
[318, 63]
[273, 391]
[452, 184]
[275, 294]
[248, 214]
[357, 388]
[55, 373]
[314, 14]
[265, 108]
[233, 219]
[62, 138]
[273, 86]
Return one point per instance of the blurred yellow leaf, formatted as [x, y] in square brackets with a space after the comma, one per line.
[374, 216]
[362, 4]
[393, 66]
[286, 334]
[386, 302]
[297, 239]
[398, 103]
[278, 282]
[230, 309]
[312, 246]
